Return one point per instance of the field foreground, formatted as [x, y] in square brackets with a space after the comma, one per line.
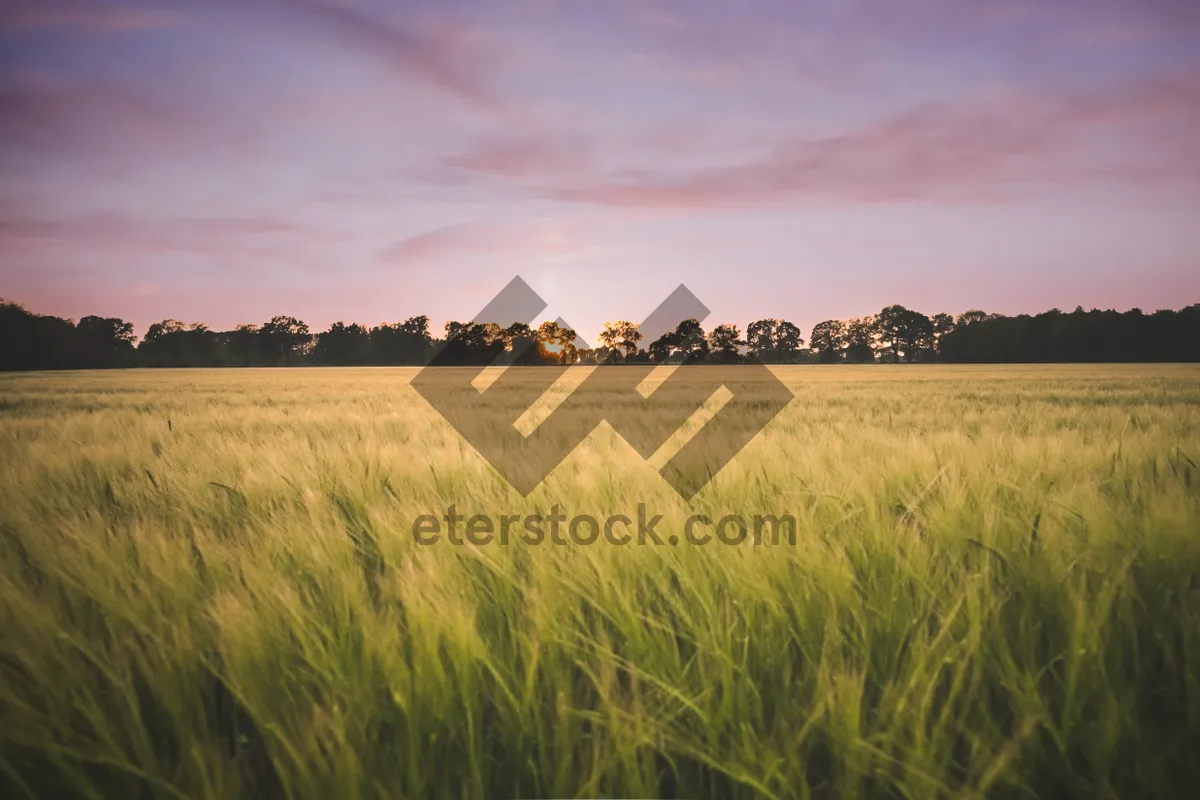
[211, 589]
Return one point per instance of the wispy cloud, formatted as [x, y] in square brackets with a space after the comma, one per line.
[50, 118]
[966, 150]
[533, 155]
[83, 14]
[513, 241]
[247, 236]
[449, 58]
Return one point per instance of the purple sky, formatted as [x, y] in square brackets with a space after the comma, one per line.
[230, 160]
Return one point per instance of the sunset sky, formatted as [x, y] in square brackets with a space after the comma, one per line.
[229, 160]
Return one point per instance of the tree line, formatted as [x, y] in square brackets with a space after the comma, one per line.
[30, 341]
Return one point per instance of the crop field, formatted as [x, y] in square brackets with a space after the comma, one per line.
[210, 587]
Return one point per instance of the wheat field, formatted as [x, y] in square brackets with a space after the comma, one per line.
[210, 588]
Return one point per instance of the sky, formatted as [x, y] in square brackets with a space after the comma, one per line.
[367, 161]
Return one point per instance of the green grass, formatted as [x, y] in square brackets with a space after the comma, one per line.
[209, 589]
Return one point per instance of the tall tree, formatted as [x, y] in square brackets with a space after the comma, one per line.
[972, 316]
[724, 341]
[942, 325]
[693, 345]
[828, 340]
[200, 344]
[860, 340]
[407, 342]
[759, 335]
[245, 344]
[621, 335]
[520, 344]
[162, 329]
[518, 330]
[162, 343]
[774, 340]
[904, 331]
[788, 342]
[471, 343]
[559, 339]
[36, 341]
[524, 346]
[285, 336]
[343, 344]
[106, 341]
[889, 325]
[921, 343]
[662, 348]
[493, 333]
[171, 343]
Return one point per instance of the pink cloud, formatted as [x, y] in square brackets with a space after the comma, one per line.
[31, 237]
[658, 18]
[30, 14]
[45, 116]
[436, 243]
[452, 58]
[966, 150]
[525, 156]
[541, 240]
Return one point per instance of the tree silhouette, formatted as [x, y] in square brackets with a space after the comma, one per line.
[1081, 336]
[662, 348]
[35, 341]
[163, 344]
[494, 334]
[518, 330]
[828, 340]
[724, 343]
[904, 331]
[890, 325]
[106, 342]
[471, 343]
[245, 344]
[942, 325]
[284, 336]
[621, 335]
[693, 345]
[561, 339]
[773, 340]
[972, 316]
[759, 337]
[343, 344]
[860, 340]
[199, 344]
[408, 342]
[171, 343]
[520, 343]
